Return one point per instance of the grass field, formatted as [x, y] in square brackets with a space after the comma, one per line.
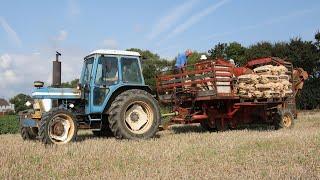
[9, 124]
[179, 153]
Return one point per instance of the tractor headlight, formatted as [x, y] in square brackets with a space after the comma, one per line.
[28, 103]
[79, 86]
[71, 105]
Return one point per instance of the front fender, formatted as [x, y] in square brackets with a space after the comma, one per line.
[26, 120]
[28, 123]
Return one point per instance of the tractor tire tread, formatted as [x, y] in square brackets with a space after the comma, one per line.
[43, 124]
[27, 134]
[115, 110]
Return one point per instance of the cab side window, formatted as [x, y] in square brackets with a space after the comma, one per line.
[130, 70]
[107, 71]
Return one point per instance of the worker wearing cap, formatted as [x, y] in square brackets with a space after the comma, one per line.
[203, 57]
[181, 61]
[232, 62]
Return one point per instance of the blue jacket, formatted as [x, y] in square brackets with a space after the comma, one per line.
[181, 60]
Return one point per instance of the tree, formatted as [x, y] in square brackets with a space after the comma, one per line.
[236, 52]
[152, 65]
[219, 51]
[19, 102]
[309, 97]
[145, 54]
[259, 50]
[71, 84]
[281, 50]
[194, 57]
[304, 54]
[317, 37]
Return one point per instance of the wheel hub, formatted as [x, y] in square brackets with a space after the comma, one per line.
[287, 121]
[59, 129]
[136, 117]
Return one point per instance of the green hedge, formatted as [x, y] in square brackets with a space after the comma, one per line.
[9, 124]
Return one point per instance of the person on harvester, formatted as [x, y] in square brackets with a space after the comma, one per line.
[180, 66]
[181, 61]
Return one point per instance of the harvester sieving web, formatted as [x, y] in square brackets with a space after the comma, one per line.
[112, 98]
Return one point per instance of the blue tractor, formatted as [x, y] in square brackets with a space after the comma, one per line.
[111, 99]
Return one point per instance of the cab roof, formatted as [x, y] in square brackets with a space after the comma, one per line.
[114, 52]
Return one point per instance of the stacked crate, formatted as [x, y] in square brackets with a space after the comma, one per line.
[266, 82]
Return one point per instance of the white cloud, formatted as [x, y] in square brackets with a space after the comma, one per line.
[36, 53]
[10, 76]
[63, 34]
[5, 61]
[7, 75]
[13, 36]
[24, 69]
[269, 22]
[166, 22]
[196, 18]
[110, 43]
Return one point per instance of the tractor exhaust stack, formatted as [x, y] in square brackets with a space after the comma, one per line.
[56, 71]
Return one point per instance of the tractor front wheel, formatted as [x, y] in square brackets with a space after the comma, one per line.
[134, 114]
[58, 126]
[29, 133]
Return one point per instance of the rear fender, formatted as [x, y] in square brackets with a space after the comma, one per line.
[121, 90]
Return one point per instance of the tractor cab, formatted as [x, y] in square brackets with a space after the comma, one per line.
[104, 72]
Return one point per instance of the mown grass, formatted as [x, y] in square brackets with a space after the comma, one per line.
[180, 153]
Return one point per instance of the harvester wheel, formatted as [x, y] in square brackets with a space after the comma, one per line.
[134, 114]
[205, 125]
[284, 119]
[29, 133]
[58, 126]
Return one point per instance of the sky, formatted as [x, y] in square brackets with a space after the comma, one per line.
[31, 31]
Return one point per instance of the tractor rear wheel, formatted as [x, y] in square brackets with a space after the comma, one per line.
[284, 119]
[29, 133]
[58, 126]
[134, 114]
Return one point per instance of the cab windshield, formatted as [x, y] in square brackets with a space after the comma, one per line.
[87, 71]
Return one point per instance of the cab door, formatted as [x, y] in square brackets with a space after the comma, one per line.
[106, 76]
[85, 80]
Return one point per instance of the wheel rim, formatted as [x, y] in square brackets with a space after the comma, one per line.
[287, 121]
[61, 129]
[139, 117]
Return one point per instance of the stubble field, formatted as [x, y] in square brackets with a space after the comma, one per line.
[178, 153]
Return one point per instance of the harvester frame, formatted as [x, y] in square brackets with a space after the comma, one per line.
[220, 108]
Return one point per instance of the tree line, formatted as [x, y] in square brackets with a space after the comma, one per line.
[302, 53]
